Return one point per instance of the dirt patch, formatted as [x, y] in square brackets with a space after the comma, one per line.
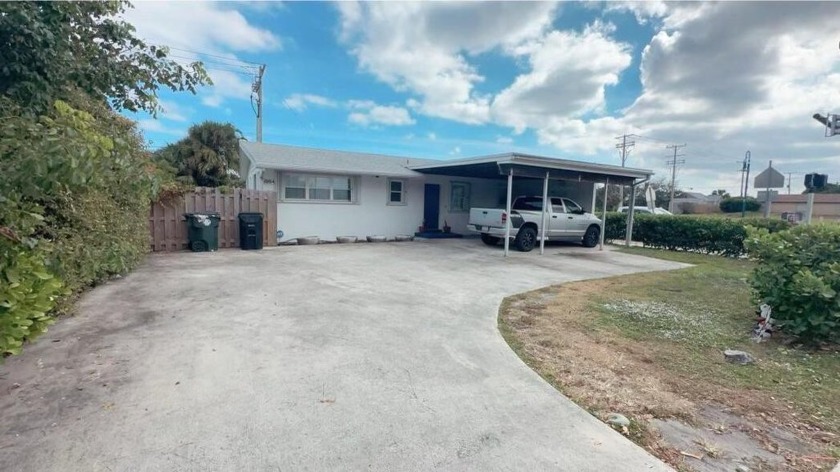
[690, 423]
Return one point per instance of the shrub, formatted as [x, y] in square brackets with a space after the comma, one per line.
[702, 234]
[73, 210]
[734, 205]
[798, 275]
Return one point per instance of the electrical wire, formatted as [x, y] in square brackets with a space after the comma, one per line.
[215, 55]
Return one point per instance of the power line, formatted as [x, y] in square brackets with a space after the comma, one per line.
[214, 55]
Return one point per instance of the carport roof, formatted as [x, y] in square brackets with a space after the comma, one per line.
[525, 165]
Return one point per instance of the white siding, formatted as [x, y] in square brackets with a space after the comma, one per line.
[369, 215]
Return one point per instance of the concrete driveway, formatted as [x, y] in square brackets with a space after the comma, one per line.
[333, 357]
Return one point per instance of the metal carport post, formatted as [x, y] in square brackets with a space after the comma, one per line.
[508, 223]
[604, 214]
[544, 212]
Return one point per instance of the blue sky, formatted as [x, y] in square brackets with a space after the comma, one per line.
[444, 80]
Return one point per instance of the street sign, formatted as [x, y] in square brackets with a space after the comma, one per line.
[769, 178]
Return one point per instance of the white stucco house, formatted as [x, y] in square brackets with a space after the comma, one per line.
[330, 193]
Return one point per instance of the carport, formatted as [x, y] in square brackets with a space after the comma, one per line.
[514, 165]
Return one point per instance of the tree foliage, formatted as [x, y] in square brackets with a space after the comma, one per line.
[48, 48]
[207, 157]
[76, 180]
[735, 205]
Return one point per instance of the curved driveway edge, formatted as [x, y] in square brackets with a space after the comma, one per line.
[335, 357]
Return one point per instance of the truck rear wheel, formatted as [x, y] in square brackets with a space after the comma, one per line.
[526, 239]
[489, 240]
[592, 236]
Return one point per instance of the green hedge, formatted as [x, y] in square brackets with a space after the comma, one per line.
[704, 234]
[74, 203]
[798, 275]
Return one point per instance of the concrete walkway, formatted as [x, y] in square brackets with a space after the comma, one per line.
[341, 357]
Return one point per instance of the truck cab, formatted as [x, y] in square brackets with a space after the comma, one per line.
[565, 220]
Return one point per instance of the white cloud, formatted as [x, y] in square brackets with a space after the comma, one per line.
[172, 111]
[422, 48]
[456, 151]
[504, 140]
[194, 29]
[200, 26]
[569, 72]
[432, 136]
[151, 125]
[300, 101]
[381, 115]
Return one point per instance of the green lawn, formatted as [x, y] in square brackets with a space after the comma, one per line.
[712, 310]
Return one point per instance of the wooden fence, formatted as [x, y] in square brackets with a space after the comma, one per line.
[168, 231]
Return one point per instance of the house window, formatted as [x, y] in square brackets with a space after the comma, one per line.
[310, 187]
[396, 192]
[459, 197]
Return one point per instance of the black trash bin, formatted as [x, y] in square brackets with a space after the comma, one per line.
[251, 230]
[203, 231]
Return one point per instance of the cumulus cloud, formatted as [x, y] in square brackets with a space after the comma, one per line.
[202, 27]
[422, 48]
[369, 114]
[301, 101]
[569, 72]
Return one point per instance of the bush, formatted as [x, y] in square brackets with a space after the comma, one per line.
[734, 205]
[798, 275]
[707, 235]
[73, 209]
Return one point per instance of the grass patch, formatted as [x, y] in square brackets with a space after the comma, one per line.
[650, 346]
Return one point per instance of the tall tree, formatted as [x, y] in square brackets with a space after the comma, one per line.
[47, 48]
[720, 193]
[208, 156]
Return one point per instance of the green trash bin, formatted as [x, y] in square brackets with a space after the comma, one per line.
[203, 231]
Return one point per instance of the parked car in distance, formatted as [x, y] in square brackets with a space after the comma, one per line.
[565, 221]
[645, 210]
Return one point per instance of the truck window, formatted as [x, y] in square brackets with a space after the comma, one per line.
[571, 206]
[528, 204]
[557, 205]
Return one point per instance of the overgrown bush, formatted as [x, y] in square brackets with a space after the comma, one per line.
[798, 275]
[734, 205]
[708, 235]
[73, 209]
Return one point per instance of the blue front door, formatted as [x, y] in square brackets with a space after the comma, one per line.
[431, 207]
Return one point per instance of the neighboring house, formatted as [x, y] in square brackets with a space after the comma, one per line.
[328, 193]
[826, 206]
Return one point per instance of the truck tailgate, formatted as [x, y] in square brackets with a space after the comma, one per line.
[486, 217]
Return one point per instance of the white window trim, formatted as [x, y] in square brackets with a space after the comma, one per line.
[388, 192]
[354, 189]
[468, 186]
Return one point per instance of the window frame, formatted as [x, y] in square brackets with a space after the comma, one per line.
[389, 192]
[467, 197]
[309, 186]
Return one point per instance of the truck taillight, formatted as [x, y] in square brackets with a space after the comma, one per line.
[504, 217]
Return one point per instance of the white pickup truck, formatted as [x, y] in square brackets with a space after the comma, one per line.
[565, 221]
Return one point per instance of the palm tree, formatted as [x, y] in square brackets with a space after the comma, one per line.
[209, 155]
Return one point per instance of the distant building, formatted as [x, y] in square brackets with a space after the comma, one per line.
[696, 202]
[826, 206]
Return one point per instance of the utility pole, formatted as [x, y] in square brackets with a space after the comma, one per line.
[746, 168]
[257, 88]
[624, 148]
[789, 176]
[674, 163]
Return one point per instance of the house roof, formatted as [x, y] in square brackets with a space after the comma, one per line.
[283, 157]
[803, 198]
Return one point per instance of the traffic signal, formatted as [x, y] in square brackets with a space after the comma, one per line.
[815, 181]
